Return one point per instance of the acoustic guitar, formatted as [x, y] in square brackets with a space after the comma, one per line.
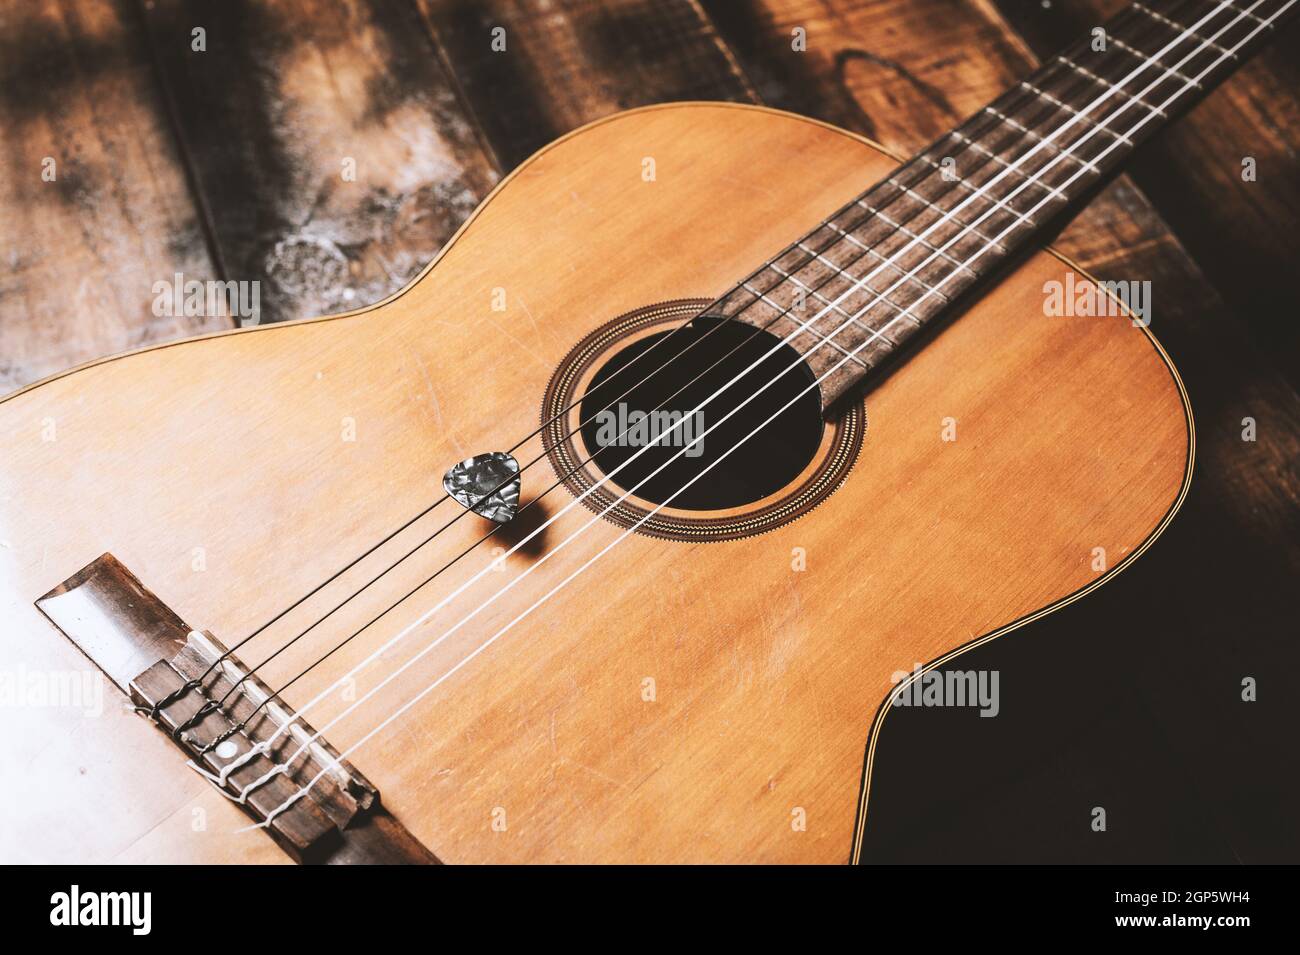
[614, 536]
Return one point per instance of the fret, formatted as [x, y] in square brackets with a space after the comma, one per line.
[1168, 70]
[1066, 108]
[848, 236]
[1087, 164]
[1026, 180]
[833, 302]
[896, 296]
[1109, 95]
[891, 262]
[723, 306]
[932, 245]
[873, 344]
[911, 237]
[1233, 25]
[940, 283]
[805, 326]
[898, 227]
[779, 319]
[945, 216]
[916, 238]
[875, 317]
[811, 290]
[1100, 104]
[1251, 16]
[1134, 75]
[857, 296]
[907, 276]
[720, 306]
[876, 310]
[1161, 18]
[1041, 168]
[832, 285]
[779, 324]
[830, 303]
[947, 212]
[1108, 85]
[856, 339]
[891, 296]
[1024, 177]
[976, 191]
[1118, 137]
[1212, 19]
[1104, 98]
[1186, 48]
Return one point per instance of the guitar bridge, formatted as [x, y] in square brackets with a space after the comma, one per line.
[211, 706]
[226, 732]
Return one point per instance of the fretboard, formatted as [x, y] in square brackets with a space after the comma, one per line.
[852, 292]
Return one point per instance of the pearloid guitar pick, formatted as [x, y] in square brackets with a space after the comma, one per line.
[474, 484]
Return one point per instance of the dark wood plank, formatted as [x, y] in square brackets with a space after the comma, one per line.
[889, 69]
[569, 62]
[79, 255]
[269, 115]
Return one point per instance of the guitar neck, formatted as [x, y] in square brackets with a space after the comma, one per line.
[852, 291]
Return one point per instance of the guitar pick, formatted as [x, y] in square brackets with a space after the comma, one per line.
[474, 484]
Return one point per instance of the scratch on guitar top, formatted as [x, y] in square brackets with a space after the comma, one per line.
[532, 321]
[596, 772]
[787, 639]
[436, 407]
[751, 186]
[544, 330]
[529, 353]
[744, 668]
[556, 759]
[580, 201]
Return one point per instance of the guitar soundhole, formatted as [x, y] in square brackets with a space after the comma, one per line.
[703, 479]
[652, 428]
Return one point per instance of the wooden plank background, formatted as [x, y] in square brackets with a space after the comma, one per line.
[225, 164]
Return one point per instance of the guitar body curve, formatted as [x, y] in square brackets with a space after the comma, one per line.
[676, 701]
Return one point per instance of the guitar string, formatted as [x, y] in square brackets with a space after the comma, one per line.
[1011, 101]
[209, 706]
[213, 705]
[1048, 139]
[287, 803]
[982, 252]
[196, 682]
[302, 791]
[280, 768]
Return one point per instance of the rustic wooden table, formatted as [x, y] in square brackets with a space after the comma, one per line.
[226, 163]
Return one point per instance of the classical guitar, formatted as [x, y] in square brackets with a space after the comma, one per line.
[613, 536]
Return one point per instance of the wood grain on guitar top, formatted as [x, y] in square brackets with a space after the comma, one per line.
[230, 454]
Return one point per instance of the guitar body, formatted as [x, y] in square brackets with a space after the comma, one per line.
[676, 700]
